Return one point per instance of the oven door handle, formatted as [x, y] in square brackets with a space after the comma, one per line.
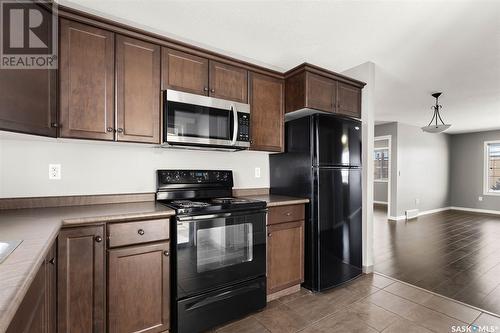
[202, 217]
[219, 215]
[222, 296]
[235, 125]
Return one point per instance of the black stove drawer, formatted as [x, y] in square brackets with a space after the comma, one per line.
[200, 313]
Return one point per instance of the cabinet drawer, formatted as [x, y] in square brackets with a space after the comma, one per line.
[288, 213]
[127, 233]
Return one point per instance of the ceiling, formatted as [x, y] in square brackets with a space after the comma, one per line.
[418, 47]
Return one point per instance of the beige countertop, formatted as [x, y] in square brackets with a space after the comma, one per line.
[278, 200]
[38, 228]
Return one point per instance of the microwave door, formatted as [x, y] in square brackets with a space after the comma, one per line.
[196, 124]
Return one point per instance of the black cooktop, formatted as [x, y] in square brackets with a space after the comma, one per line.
[215, 205]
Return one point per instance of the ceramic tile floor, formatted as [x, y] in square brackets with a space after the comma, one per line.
[370, 303]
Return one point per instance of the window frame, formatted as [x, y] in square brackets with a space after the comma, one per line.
[486, 190]
[384, 180]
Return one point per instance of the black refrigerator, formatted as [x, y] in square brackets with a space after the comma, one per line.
[322, 161]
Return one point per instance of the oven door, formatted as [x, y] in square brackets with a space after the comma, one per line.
[214, 251]
[191, 119]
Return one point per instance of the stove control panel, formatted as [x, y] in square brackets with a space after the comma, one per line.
[209, 177]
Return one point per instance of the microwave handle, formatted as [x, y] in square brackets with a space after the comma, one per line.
[235, 125]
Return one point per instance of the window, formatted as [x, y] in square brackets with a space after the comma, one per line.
[381, 158]
[492, 167]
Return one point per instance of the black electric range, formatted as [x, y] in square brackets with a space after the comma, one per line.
[218, 248]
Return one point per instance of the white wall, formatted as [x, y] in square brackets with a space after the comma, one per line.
[90, 167]
[423, 169]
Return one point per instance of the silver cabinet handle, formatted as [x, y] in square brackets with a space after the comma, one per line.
[140, 232]
[110, 129]
[205, 89]
[269, 235]
[98, 239]
[120, 130]
[166, 253]
[212, 90]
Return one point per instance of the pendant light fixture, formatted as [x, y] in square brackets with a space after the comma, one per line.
[434, 126]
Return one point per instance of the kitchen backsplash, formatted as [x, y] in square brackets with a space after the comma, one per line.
[93, 167]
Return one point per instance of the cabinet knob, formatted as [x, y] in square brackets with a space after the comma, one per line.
[120, 130]
[98, 239]
[54, 125]
[205, 89]
[52, 261]
[288, 214]
[212, 90]
[140, 232]
[110, 129]
[269, 234]
[166, 253]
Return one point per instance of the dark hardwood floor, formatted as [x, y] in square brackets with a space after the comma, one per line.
[452, 253]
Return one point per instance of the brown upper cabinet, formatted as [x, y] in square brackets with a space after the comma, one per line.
[86, 72]
[137, 90]
[28, 100]
[267, 98]
[81, 280]
[186, 72]
[228, 82]
[87, 85]
[311, 87]
[349, 100]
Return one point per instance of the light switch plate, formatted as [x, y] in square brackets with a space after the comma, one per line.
[480, 198]
[55, 171]
[257, 172]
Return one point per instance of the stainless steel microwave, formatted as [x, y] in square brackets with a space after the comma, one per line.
[195, 120]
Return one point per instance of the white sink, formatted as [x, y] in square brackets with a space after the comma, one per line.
[7, 247]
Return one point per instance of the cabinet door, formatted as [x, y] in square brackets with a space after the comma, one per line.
[320, 92]
[267, 103]
[285, 255]
[139, 289]
[349, 100]
[51, 289]
[31, 314]
[228, 82]
[184, 72]
[28, 99]
[80, 280]
[86, 81]
[137, 90]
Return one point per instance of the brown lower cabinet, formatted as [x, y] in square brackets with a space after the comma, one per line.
[138, 288]
[36, 314]
[285, 248]
[81, 279]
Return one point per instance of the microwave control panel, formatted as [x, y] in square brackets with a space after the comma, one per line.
[243, 126]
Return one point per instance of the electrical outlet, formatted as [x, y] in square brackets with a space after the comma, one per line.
[257, 172]
[55, 171]
[480, 198]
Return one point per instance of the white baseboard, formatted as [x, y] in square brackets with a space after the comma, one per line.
[425, 212]
[432, 211]
[397, 218]
[380, 202]
[476, 210]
